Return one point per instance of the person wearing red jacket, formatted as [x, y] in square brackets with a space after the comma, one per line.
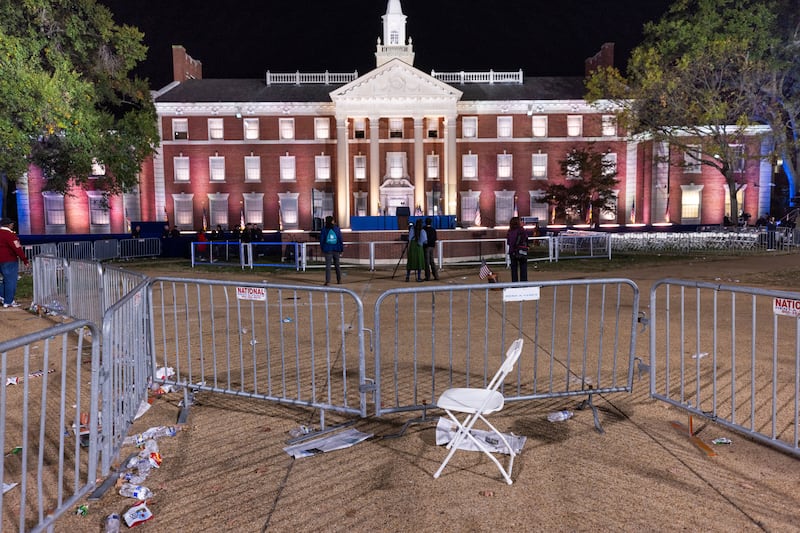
[10, 253]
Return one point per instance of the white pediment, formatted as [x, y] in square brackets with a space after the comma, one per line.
[395, 81]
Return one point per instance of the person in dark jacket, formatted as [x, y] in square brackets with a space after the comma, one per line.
[330, 240]
[517, 240]
[429, 249]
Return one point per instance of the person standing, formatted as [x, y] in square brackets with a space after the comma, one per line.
[10, 253]
[430, 251]
[517, 240]
[330, 240]
[416, 256]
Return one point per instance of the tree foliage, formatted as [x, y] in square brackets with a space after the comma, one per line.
[589, 186]
[67, 98]
[694, 82]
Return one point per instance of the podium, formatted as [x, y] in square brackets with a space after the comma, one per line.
[402, 214]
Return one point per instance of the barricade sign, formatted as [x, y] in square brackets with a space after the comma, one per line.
[786, 307]
[258, 294]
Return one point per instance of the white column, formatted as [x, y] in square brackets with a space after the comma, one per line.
[342, 199]
[450, 167]
[419, 165]
[374, 165]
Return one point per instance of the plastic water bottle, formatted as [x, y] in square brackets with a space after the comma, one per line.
[559, 416]
[137, 492]
[112, 523]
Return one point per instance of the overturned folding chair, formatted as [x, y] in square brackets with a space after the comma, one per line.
[478, 403]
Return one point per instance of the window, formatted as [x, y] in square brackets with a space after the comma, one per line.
[470, 207]
[215, 129]
[98, 169]
[539, 206]
[505, 164]
[539, 124]
[691, 159]
[432, 199]
[505, 127]
[609, 128]
[286, 127]
[739, 200]
[184, 210]
[180, 128]
[396, 163]
[251, 129]
[503, 206]
[359, 128]
[287, 168]
[690, 203]
[433, 128]
[252, 168]
[322, 128]
[396, 128]
[322, 203]
[253, 208]
[289, 210]
[574, 125]
[218, 210]
[539, 166]
[360, 167]
[130, 201]
[609, 213]
[469, 127]
[573, 170]
[55, 219]
[609, 164]
[432, 167]
[180, 164]
[360, 202]
[322, 167]
[738, 159]
[99, 216]
[394, 37]
[216, 168]
[469, 164]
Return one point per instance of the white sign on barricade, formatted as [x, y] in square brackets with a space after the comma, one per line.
[786, 307]
[258, 294]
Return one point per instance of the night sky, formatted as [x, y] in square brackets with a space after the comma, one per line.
[245, 38]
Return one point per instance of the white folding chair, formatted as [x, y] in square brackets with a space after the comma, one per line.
[478, 403]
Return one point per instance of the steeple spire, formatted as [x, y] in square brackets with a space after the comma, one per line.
[394, 36]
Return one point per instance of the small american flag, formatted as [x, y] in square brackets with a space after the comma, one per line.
[485, 271]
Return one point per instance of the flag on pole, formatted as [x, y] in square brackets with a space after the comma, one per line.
[478, 217]
[241, 218]
[205, 220]
[485, 271]
[633, 210]
[516, 210]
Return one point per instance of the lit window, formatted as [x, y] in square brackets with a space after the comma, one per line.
[396, 128]
[469, 127]
[539, 124]
[55, 219]
[394, 37]
[215, 129]
[252, 168]
[253, 208]
[181, 168]
[288, 209]
[322, 165]
[691, 159]
[98, 210]
[505, 163]
[180, 128]
[539, 166]
[360, 167]
[322, 128]
[738, 159]
[359, 128]
[286, 127]
[469, 163]
[218, 209]
[503, 206]
[287, 168]
[251, 129]
[539, 206]
[184, 210]
[574, 125]
[360, 202]
[505, 127]
[216, 168]
[609, 164]
[690, 203]
[98, 169]
[396, 161]
[609, 125]
[432, 165]
[470, 206]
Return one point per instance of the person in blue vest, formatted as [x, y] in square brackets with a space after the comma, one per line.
[330, 240]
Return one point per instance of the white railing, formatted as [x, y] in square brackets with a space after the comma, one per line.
[479, 77]
[310, 78]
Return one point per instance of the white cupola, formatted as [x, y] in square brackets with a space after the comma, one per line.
[394, 43]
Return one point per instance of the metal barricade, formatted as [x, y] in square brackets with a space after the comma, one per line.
[580, 340]
[294, 345]
[106, 249]
[50, 284]
[76, 250]
[50, 423]
[582, 245]
[85, 290]
[132, 248]
[730, 354]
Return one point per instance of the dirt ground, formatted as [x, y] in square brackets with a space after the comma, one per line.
[227, 471]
